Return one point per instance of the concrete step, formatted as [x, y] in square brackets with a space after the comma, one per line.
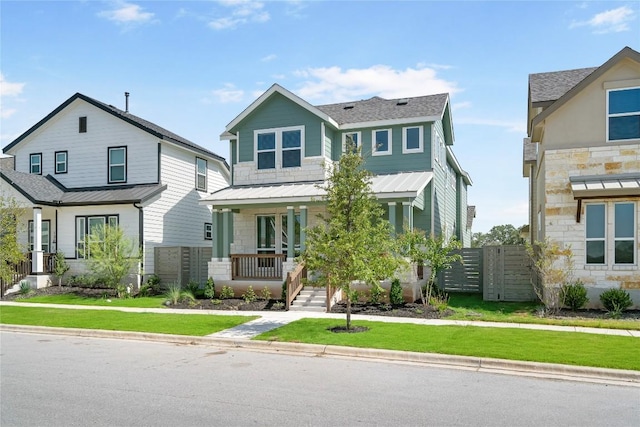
[310, 299]
[307, 308]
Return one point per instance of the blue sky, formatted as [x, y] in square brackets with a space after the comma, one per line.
[193, 66]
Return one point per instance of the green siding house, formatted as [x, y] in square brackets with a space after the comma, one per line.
[281, 147]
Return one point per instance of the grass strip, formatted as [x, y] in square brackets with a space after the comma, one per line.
[113, 320]
[73, 299]
[570, 348]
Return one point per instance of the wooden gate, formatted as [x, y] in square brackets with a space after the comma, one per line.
[507, 274]
[182, 264]
[465, 276]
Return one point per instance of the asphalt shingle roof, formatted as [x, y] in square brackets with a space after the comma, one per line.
[377, 108]
[546, 87]
[46, 190]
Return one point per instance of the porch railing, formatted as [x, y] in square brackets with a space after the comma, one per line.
[23, 269]
[257, 266]
[295, 283]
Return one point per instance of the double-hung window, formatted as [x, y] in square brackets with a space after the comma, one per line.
[279, 148]
[117, 164]
[61, 161]
[35, 163]
[412, 139]
[208, 231]
[596, 233]
[266, 225]
[624, 233]
[201, 174]
[351, 139]
[623, 114]
[381, 141]
[45, 234]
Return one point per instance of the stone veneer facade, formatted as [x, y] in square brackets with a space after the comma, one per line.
[560, 212]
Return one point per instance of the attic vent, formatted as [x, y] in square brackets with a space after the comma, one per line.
[349, 106]
[402, 101]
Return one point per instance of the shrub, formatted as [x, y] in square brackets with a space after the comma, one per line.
[376, 294]
[265, 294]
[284, 290]
[210, 289]
[395, 293]
[85, 281]
[194, 288]
[173, 293]
[249, 295]
[574, 295]
[227, 292]
[616, 301]
[354, 296]
[145, 290]
[25, 287]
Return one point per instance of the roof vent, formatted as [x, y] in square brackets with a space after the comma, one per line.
[349, 106]
[402, 101]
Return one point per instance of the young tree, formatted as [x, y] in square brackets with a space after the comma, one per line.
[435, 252]
[60, 267]
[111, 254]
[11, 252]
[553, 266]
[353, 242]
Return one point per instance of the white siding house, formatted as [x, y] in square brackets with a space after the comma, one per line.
[88, 163]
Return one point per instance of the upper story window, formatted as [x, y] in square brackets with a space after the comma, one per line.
[412, 139]
[208, 231]
[279, 148]
[61, 161]
[201, 174]
[117, 164]
[35, 163]
[82, 124]
[623, 114]
[352, 138]
[381, 141]
[439, 150]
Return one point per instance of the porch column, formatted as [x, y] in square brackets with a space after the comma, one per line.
[226, 215]
[291, 233]
[36, 255]
[303, 228]
[214, 234]
[407, 219]
[392, 216]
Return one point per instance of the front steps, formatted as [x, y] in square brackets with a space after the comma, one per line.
[310, 299]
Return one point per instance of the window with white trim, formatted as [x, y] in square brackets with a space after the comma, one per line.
[208, 231]
[279, 148]
[201, 174]
[61, 161]
[351, 138]
[624, 219]
[595, 218]
[86, 226]
[35, 163]
[45, 235]
[117, 164]
[623, 114]
[381, 142]
[412, 139]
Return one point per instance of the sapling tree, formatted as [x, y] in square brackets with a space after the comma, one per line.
[553, 266]
[112, 254]
[353, 242]
[60, 267]
[11, 251]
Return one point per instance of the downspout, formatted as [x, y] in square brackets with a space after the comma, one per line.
[140, 241]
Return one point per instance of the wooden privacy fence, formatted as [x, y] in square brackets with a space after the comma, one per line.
[182, 264]
[500, 273]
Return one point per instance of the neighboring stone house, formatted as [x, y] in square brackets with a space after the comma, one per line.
[280, 147]
[88, 164]
[582, 158]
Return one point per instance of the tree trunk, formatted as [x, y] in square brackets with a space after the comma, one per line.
[348, 312]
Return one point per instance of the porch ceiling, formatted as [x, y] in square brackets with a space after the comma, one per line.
[406, 185]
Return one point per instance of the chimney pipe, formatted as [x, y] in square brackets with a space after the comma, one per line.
[126, 102]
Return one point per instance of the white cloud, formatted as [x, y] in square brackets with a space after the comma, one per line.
[460, 105]
[5, 113]
[510, 125]
[229, 93]
[241, 12]
[333, 84]
[268, 58]
[125, 13]
[10, 88]
[610, 21]
[295, 7]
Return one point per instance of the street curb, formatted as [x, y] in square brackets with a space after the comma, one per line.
[481, 364]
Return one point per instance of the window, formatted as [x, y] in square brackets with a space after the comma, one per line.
[86, 226]
[35, 163]
[285, 234]
[412, 139]
[61, 162]
[351, 138]
[82, 124]
[595, 219]
[266, 234]
[46, 232]
[117, 164]
[201, 174]
[451, 175]
[279, 148]
[624, 234]
[381, 142]
[623, 114]
[208, 231]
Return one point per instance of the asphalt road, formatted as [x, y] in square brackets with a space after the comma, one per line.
[50, 380]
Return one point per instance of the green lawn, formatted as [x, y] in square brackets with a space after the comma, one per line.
[113, 320]
[73, 299]
[516, 344]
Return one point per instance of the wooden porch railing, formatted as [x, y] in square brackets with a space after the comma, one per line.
[295, 283]
[257, 266]
[23, 269]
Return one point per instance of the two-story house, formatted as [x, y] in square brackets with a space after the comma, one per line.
[88, 164]
[582, 159]
[281, 147]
